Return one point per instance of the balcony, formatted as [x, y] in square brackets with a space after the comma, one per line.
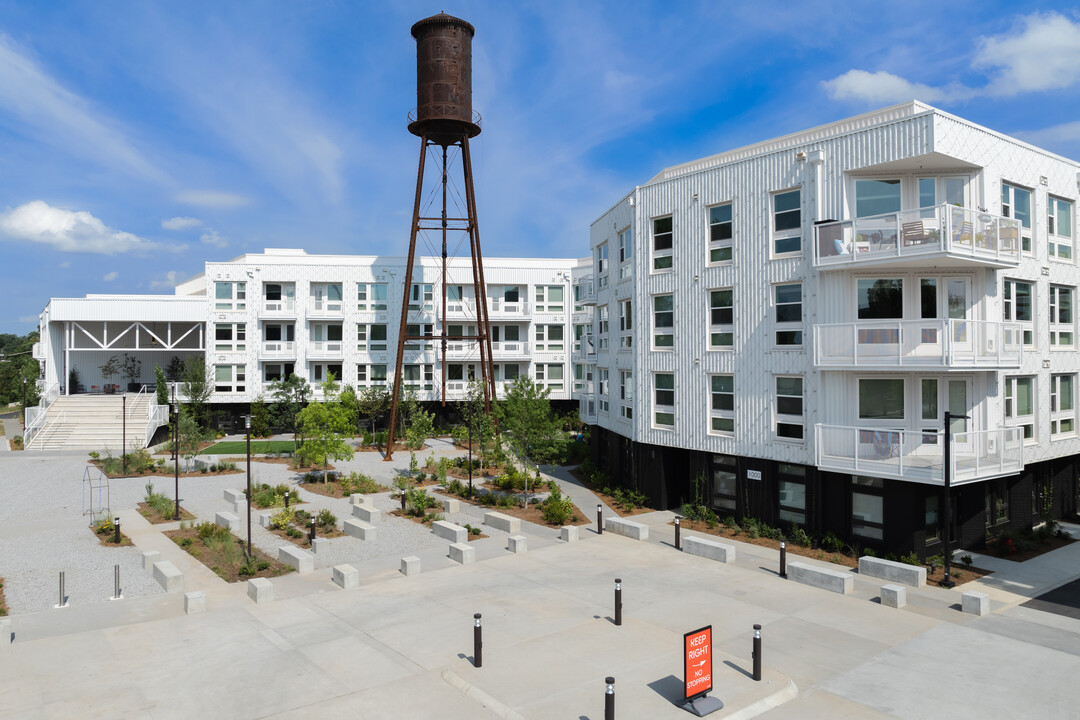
[943, 236]
[918, 456]
[919, 344]
[585, 290]
[332, 349]
[501, 308]
[587, 408]
[584, 350]
[464, 309]
[282, 308]
[278, 349]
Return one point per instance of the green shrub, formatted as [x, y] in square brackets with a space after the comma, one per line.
[870, 552]
[293, 532]
[326, 520]
[357, 482]
[800, 537]
[967, 560]
[282, 520]
[94, 455]
[910, 558]
[831, 543]
[556, 509]
[417, 501]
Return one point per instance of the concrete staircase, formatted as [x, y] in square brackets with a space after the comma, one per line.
[94, 422]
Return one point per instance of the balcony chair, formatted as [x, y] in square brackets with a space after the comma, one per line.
[965, 233]
[913, 233]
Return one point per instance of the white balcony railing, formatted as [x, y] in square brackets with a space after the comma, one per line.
[945, 230]
[284, 306]
[499, 306]
[325, 348]
[280, 348]
[919, 343]
[585, 290]
[919, 456]
[587, 408]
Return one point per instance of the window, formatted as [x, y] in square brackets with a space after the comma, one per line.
[230, 296]
[230, 378]
[626, 252]
[276, 372]
[720, 234]
[602, 389]
[664, 400]
[602, 321]
[416, 376]
[601, 265]
[997, 502]
[626, 329]
[416, 291]
[326, 338]
[371, 338]
[1061, 316]
[881, 398]
[626, 394]
[722, 407]
[549, 338]
[788, 307]
[582, 378]
[278, 337]
[1062, 404]
[278, 297]
[789, 407]
[413, 333]
[867, 507]
[320, 372]
[721, 319]
[550, 375]
[326, 297]
[663, 322]
[230, 336]
[549, 298]
[929, 410]
[879, 197]
[662, 241]
[725, 482]
[510, 372]
[371, 296]
[787, 222]
[880, 298]
[1020, 404]
[1059, 238]
[370, 375]
[1019, 300]
[930, 518]
[934, 191]
[791, 482]
[1016, 203]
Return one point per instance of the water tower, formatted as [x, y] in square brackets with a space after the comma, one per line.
[445, 122]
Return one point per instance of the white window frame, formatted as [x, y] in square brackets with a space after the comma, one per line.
[721, 319]
[626, 253]
[372, 297]
[367, 375]
[1062, 406]
[235, 300]
[285, 302]
[1058, 246]
[426, 330]
[1008, 209]
[603, 324]
[787, 326]
[424, 373]
[365, 340]
[282, 369]
[603, 389]
[626, 321]
[602, 263]
[1008, 311]
[237, 380]
[1062, 334]
[544, 303]
[663, 258]
[786, 418]
[550, 338]
[721, 235]
[237, 340]
[721, 405]
[415, 304]
[663, 321]
[660, 406]
[626, 394]
[786, 234]
[551, 375]
[1028, 421]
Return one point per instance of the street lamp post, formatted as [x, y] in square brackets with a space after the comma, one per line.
[947, 582]
[468, 424]
[123, 442]
[24, 401]
[176, 450]
[247, 428]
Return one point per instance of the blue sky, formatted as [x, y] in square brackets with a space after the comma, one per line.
[139, 140]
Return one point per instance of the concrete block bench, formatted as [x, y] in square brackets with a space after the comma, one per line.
[293, 556]
[894, 596]
[410, 565]
[502, 522]
[320, 545]
[367, 513]
[346, 576]
[359, 529]
[710, 549]
[976, 603]
[462, 552]
[568, 533]
[449, 531]
[819, 577]
[227, 520]
[260, 590]
[149, 558]
[5, 633]
[264, 518]
[359, 499]
[450, 505]
[235, 496]
[517, 543]
[195, 602]
[168, 576]
[894, 572]
[626, 528]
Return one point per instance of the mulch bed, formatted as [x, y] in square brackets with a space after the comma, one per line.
[303, 540]
[106, 538]
[241, 461]
[230, 572]
[609, 500]
[156, 518]
[433, 511]
[3, 605]
[333, 488]
[1043, 547]
[163, 472]
[532, 513]
[960, 573]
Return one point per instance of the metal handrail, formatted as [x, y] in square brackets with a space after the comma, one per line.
[40, 436]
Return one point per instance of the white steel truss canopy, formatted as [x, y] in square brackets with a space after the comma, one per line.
[136, 335]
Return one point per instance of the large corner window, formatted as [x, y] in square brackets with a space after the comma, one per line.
[1059, 231]
[663, 236]
[787, 222]
[1016, 203]
[720, 234]
[1061, 317]
[1020, 404]
[1017, 307]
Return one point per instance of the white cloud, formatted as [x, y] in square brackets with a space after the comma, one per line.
[211, 237]
[880, 88]
[170, 280]
[29, 319]
[180, 223]
[70, 231]
[1043, 55]
[109, 277]
[59, 116]
[1063, 133]
[212, 199]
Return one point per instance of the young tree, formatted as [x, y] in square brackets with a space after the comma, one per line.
[528, 423]
[191, 435]
[260, 418]
[326, 426]
[111, 368]
[196, 389]
[131, 367]
[350, 404]
[478, 422]
[373, 402]
[290, 395]
[161, 386]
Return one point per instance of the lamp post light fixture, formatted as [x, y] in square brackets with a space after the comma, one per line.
[469, 426]
[175, 411]
[247, 433]
[123, 442]
[946, 582]
[24, 401]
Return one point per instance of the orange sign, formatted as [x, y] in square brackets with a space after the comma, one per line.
[697, 662]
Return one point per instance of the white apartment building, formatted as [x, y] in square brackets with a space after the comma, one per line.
[793, 319]
[262, 317]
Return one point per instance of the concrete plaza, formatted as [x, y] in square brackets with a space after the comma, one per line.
[401, 647]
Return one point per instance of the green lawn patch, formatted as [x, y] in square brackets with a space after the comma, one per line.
[240, 447]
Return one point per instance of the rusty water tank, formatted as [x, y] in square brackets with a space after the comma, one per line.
[443, 80]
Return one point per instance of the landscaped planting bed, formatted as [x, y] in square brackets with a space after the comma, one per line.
[294, 526]
[624, 501]
[224, 553]
[265, 496]
[159, 508]
[258, 447]
[3, 602]
[341, 485]
[554, 511]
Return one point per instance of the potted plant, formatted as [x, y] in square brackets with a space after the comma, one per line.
[131, 367]
[109, 370]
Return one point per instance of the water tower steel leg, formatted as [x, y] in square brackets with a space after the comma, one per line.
[443, 332]
[487, 367]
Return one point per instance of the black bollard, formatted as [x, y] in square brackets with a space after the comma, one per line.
[311, 532]
[116, 526]
[678, 537]
[477, 642]
[402, 498]
[286, 499]
[783, 559]
[599, 519]
[609, 698]
[757, 652]
[618, 601]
